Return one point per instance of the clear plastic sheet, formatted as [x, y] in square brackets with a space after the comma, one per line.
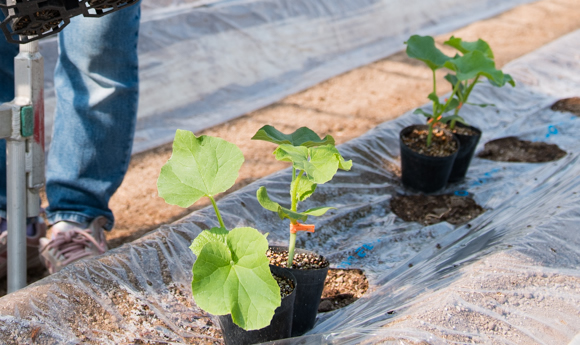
[510, 276]
[203, 62]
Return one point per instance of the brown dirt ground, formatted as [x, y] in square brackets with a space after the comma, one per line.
[384, 90]
[512, 149]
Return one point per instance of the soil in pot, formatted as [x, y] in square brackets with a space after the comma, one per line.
[281, 325]
[426, 169]
[571, 105]
[468, 137]
[310, 270]
[512, 149]
[431, 209]
[341, 288]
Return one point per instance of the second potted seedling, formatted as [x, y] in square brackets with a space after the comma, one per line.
[314, 161]
[428, 153]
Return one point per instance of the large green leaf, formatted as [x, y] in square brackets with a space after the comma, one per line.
[234, 278]
[207, 236]
[466, 47]
[198, 167]
[423, 48]
[475, 63]
[303, 136]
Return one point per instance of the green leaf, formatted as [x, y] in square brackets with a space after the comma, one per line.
[289, 153]
[343, 164]
[452, 79]
[475, 63]
[235, 278]
[198, 167]
[457, 118]
[454, 103]
[323, 164]
[481, 105]
[265, 201]
[207, 236]
[318, 211]
[433, 97]
[423, 48]
[303, 136]
[467, 47]
[305, 189]
[422, 112]
[268, 204]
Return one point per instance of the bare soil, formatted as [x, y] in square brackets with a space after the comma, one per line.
[432, 209]
[345, 107]
[512, 149]
[571, 105]
[341, 288]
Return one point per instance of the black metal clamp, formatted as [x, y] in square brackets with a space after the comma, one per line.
[29, 20]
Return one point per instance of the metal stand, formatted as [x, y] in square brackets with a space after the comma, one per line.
[22, 124]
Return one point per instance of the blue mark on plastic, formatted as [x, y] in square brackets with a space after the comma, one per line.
[461, 193]
[361, 252]
[486, 178]
[552, 130]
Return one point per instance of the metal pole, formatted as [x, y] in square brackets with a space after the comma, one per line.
[16, 213]
[24, 158]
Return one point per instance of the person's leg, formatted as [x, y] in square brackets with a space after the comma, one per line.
[96, 83]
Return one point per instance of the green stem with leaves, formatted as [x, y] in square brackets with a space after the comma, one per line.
[217, 212]
[462, 99]
[294, 208]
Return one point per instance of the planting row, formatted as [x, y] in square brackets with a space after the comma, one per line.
[144, 292]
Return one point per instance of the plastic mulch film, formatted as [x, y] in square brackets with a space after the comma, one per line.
[509, 276]
[203, 65]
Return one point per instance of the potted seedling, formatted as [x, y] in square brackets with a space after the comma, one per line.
[314, 161]
[231, 275]
[466, 70]
[476, 61]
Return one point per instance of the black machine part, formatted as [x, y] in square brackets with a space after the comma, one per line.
[29, 20]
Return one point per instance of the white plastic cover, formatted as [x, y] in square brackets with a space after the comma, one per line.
[510, 276]
[203, 65]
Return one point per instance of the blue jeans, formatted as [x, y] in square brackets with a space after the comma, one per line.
[96, 82]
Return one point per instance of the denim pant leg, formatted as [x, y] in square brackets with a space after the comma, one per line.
[7, 53]
[96, 83]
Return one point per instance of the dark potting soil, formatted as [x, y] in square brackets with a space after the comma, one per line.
[442, 144]
[341, 288]
[431, 209]
[571, 105]
[286, 285]
[512, 149]
[302, 261]
[464, 131]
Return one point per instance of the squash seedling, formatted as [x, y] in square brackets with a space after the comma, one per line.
[466, 71]
[314, 161]
[231, 274]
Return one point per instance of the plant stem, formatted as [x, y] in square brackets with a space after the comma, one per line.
[291, 246]
[293, 207]
[217, 212]
[435, 93]
[430, 133]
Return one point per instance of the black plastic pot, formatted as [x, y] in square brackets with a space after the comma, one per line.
[467, 145]
[424, 173]
[280, 327]
[308, 293]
